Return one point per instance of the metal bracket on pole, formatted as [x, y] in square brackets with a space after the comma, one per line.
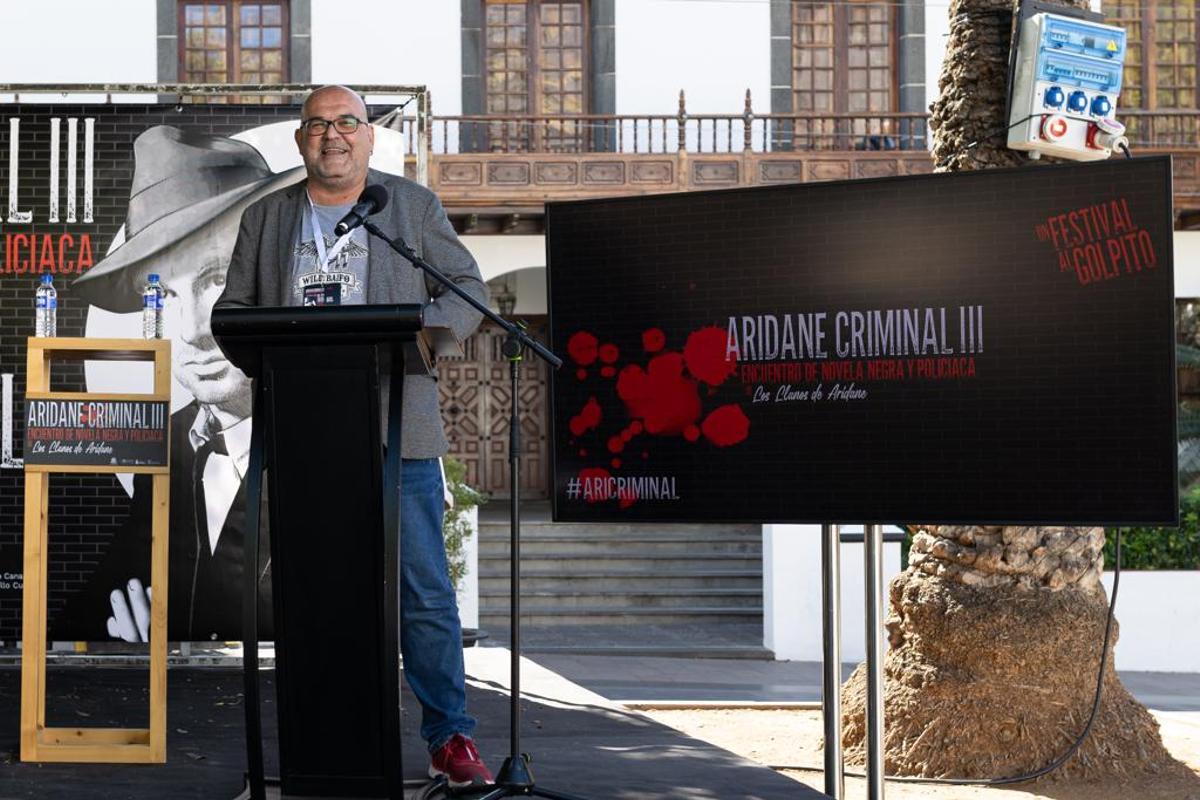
[6, 432]
[831, 661]
[873, 579]
[424, 134]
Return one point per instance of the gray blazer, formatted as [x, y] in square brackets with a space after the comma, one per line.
[260, 275]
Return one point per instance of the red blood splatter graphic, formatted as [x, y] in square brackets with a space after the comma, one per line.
[607, 372]
[615, 445]
[628, 498]
[653, 340]
[609, 353]
[705, 356]
[635, 427]
[581, 374]
[582, 348]
[665, 400]
[726, 426]
[587, 419]
[616, 463]
[600, 487]
[691, 433]
[626, 435]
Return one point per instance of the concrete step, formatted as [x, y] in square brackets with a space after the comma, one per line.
[491, 527]
[667, 544]
[585, 580]
[747, 652]
[650, 561]
[494, 600]
[625, 580]
[585, 615]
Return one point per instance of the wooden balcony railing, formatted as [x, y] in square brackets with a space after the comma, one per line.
[491, 167]
[709, 133]
[1169, 129]
[684, 132]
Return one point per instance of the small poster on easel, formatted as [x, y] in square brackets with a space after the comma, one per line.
[97, 431]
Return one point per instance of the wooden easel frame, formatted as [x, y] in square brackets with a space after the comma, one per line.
[91, 745]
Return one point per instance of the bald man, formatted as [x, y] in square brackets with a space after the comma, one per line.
[318, 268]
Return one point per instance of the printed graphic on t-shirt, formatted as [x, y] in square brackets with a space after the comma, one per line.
[345, 270]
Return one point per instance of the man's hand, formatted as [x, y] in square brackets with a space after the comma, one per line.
[131, 613]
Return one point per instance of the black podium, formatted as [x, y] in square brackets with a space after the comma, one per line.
[334, 511]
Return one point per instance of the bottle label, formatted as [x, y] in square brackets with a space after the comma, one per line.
[52, 303]
[39, 302]
[152, 302]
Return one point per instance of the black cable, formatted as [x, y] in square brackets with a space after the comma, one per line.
[998, 131]
[1056, 763]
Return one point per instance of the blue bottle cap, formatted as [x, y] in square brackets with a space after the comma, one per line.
[47, 279]
[153, 277]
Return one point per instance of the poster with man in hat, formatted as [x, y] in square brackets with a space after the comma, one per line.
[189, 190]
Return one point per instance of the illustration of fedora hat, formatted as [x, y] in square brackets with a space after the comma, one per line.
[182, 181]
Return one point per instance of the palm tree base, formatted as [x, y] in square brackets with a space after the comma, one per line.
[997, 682]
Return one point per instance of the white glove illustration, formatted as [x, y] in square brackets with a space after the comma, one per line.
[131, 612]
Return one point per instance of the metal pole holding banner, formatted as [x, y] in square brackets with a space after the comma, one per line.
[424, 135]
[873, 580]
[6, 431]
[831, 661]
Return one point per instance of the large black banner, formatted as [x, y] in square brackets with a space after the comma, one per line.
[99, 197]
[988, 347]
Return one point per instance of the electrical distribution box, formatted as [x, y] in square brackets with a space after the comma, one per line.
[1065, 88]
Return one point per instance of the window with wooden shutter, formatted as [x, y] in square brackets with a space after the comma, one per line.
[843, 62]
[1160, 69]
[233, 42]
[535, 57]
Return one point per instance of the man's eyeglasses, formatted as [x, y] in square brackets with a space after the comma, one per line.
[316, 126]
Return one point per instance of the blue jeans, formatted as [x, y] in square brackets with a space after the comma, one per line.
[430, 631]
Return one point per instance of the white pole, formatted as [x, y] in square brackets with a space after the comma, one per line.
[873, 578]
[831, 662]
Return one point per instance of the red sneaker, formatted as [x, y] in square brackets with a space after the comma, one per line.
[459, 761]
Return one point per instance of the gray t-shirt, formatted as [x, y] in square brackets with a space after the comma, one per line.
[344, 280]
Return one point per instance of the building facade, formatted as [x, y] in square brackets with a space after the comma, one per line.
[541, 100]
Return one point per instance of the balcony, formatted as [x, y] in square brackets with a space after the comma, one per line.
[494, 173]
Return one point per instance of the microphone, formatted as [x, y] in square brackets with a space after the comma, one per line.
[373, 199]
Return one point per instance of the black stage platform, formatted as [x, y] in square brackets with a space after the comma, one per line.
[577, 747]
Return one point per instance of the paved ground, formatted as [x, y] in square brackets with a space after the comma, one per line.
[653, 678]
[581, 743]
[624, 674]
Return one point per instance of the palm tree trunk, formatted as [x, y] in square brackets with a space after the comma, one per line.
[995, 632]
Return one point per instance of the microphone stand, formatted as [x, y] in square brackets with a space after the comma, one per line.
[515, 778]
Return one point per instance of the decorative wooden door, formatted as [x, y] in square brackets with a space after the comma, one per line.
[476, 403]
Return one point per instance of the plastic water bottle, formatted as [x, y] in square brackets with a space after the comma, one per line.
[46, 308]
[152, 308]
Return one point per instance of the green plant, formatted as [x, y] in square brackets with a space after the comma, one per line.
[1187, 359]
[456, 527]
[1161, 548]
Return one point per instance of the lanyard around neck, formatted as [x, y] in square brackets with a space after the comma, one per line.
[324, 258]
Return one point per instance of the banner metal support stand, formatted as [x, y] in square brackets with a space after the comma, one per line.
[831, 661]
[873, 580]
[6, 425]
